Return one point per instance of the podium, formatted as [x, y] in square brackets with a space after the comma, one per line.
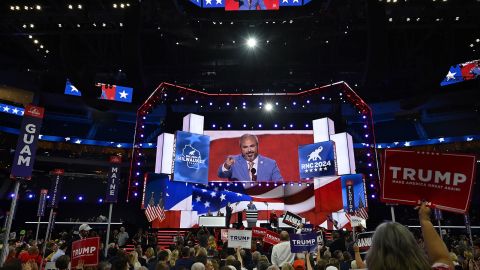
[251, 216]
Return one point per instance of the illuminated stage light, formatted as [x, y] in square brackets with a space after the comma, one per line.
[291, 125]
[35, 41]
[115, 5]
[364, 126]
[228, 125]
[48, 196]
[259, 125]
[12, 195]
[38, 7]
[138, 173]
[371, 185]
[138, 163]
[100, 200]
[308, 101]
[366, 135]
[59, 25]
[373, 196]
[64, 197]
[294, 103]
[135, 194]
[275, 125]
[244, 125]
[210, 103]
[32, 25]
[251, 43]
[228, 103]
[136, 183]
[307, 125]
[79, 6]
[70, 7]
[364, 117]
[30, 196]
[213, 126]
[268, 107]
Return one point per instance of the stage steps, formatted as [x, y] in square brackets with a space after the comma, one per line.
[165, 237]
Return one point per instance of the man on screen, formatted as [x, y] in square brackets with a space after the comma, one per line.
[249, 165]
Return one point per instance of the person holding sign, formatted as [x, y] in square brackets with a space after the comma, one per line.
[249, 165]
[394, 246]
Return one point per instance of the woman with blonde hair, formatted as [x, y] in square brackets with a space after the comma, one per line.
[133, 260]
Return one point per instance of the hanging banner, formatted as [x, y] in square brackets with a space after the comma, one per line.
[354, 194]
[52, 224]
[240, 238]
[86, 250]
[317, 160]
[438, 214]
[41, 202]
[27, 142]
[56, 186]
[445, 180]
[113, 184]
[303, 242]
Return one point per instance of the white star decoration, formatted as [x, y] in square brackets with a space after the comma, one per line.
[218, 2]
[451, 75]
[222, 197]
[208, 2]
[198, 199]
[15, 110]
[295, 1]
[285, 1]
[6, 109]
[441, 139]
[213, 194]
[123, 94]
[239, 194]
[207, 204]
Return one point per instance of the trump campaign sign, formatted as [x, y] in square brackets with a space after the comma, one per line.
[27, 142]
[445, 180]
[86, 250]
[239, 238]
[303, 242]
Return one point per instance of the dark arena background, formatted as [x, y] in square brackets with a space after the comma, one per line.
[114, 76]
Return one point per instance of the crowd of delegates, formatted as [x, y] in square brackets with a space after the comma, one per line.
[393, 247]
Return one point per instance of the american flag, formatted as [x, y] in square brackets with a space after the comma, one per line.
[155, 211]
[361, 210]
[149, 210]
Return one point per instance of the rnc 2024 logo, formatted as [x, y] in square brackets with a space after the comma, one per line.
[191, 156]
[316, 160]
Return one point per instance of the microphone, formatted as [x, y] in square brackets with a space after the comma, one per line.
[254, 176]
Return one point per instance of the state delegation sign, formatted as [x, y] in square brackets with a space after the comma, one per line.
[445, 180]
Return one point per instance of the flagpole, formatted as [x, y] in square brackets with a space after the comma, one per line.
[108, 228]
[9, 222]
[392, 212]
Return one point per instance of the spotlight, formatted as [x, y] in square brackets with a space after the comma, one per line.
[251, 43]
[268, 107]
[38, 7]
[30, 196]
[79, 6]
[100, 200]
[80, 198]
[64, 197]
[70, 7]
